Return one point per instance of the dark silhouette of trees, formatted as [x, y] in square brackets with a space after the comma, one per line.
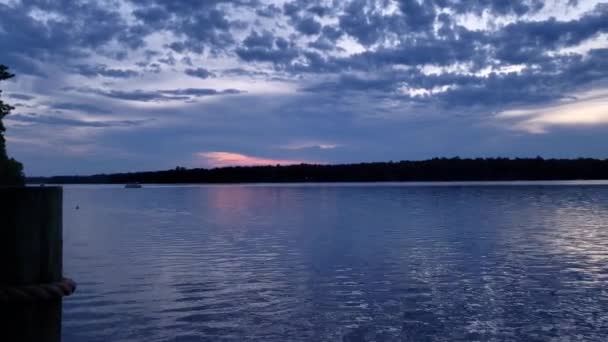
[437, 169]
[11, 171]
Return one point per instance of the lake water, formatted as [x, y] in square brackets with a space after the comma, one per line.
[377, 262]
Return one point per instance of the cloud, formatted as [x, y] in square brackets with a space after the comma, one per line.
[21, 96]
[244, 72]
[222, 159]
[270, 11]
[80, 107]
[199, 72]
[264, 47]
[309, 26]
[134, 95]
[61, 121]
[156, 95]
[200, 92]
[310, 145]
[518, 7]
[38, 32]
[526, 42]
[418, 16]
[375, 78]
[102, 70]
[259, 40]
[582, 112]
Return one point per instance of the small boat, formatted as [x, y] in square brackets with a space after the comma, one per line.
[132, 186]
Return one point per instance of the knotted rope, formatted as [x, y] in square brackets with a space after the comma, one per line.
[38, 292]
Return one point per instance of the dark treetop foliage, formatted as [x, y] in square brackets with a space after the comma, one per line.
[437, 169]
[11, 171]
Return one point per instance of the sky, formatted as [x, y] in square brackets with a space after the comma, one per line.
[109, 86]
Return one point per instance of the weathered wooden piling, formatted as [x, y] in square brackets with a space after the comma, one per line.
[31, 274]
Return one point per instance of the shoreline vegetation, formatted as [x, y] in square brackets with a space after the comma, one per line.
[11, 171]
[436, 169]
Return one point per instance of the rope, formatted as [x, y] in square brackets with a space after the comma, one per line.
[39, 292]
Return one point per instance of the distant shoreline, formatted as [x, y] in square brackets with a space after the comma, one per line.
[431, 170]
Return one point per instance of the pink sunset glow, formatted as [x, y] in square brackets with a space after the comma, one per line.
[222, 159]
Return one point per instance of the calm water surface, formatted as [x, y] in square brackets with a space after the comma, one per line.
[391, 262]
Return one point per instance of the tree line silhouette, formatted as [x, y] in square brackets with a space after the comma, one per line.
[436, 169]
[11, 171]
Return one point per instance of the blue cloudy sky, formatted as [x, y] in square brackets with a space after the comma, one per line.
[105, 86]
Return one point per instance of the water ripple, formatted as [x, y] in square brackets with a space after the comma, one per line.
[337, 263]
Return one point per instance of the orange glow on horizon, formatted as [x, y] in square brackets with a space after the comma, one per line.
[222, 159]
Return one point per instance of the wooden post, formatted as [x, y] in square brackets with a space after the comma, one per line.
[31, 253]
